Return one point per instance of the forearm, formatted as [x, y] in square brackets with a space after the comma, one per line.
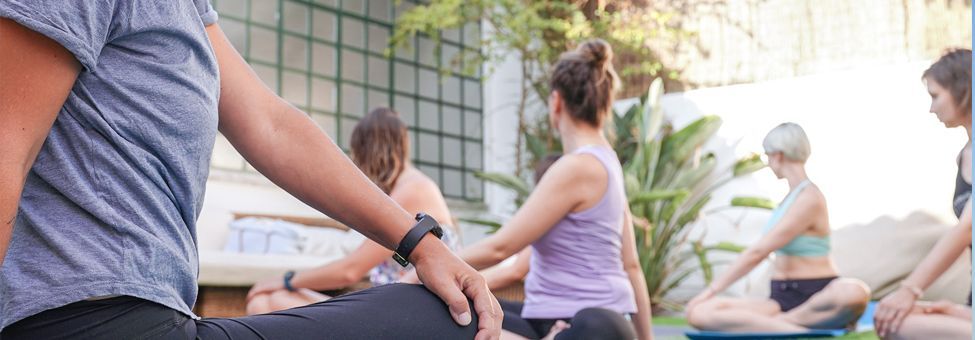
[481, 257]
[499, 277]
[336, 275]
[321, 175]
[944, 253]
[344, 272]
[643, 319]
[484, 254]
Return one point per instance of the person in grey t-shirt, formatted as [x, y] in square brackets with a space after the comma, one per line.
[108, 114]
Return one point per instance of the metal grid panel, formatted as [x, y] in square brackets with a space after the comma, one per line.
[326, 57]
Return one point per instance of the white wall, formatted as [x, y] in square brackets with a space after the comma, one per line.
[876, 149]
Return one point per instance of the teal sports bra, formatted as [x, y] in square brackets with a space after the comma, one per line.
[802, 245]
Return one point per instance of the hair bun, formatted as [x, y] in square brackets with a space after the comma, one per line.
[597, 52]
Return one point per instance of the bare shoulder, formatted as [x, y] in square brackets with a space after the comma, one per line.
[577, 168]
[813, 196]
[414, 183]
[811, 206]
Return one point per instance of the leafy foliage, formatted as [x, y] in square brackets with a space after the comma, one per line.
[668, 182]
[538, 32]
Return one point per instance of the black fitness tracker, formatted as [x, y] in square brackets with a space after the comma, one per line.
[287, 280]
[424, 224]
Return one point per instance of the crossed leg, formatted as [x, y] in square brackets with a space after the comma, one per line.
[836, 306]
[934, 326]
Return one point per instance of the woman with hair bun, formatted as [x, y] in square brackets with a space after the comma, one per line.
[584, 273]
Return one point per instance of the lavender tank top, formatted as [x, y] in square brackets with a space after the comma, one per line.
[578, 263]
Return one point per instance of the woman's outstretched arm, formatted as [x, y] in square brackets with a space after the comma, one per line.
[795, 221]
[631, 262]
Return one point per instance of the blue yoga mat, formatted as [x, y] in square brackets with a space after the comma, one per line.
[865, 323]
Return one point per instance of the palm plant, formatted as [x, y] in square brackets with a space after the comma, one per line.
[668, 182]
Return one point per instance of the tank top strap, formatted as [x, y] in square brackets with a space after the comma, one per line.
[783, 207]
[604, 154]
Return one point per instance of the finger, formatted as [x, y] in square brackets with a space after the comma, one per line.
[489, 312]
[880, 320]
[452, 295]
[895, 325]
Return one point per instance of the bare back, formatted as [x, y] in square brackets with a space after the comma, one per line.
[814, 221]
[417, 192]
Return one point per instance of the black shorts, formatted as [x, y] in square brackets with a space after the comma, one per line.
[792, 293]
[394, 311]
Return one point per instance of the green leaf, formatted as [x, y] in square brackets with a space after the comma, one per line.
[695, 210]
[691, 176]
[671, 207]
[752, 202]
[653, 113]
[631, 183]
[650, 196]
[536, 146]
[521, 188]
[727, 246]
[624, 124]
[492, 226]
[747, 165]
[678, 147]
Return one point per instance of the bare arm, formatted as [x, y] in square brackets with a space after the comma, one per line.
[795, 221]
[499, 277]
[546, 205]
[944, 253]
[36, 75]
[266, 131]
[414, 197]
[894, 307]
[631, 262]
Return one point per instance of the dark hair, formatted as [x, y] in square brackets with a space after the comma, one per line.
[380, 144]
[953, 71]
[586, 81]
[543, 164]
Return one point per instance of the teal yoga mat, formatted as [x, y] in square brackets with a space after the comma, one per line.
[864, 324]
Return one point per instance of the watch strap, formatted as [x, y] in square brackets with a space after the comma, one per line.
[424, 224]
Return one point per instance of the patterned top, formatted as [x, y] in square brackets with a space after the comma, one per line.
[389, 271]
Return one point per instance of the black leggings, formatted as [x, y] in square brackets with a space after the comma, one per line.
[394, 311]
[588, 323]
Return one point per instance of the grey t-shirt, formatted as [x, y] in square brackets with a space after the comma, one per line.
[110, 205]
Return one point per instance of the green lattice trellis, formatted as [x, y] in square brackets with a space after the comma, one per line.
[327, 58]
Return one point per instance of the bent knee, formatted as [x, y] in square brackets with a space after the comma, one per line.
[259, 304]
[851, 293]
[856, 291]
[700, 316]
[697, 318]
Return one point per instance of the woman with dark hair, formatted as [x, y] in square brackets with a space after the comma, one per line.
[379, 145]
[900, 315]
[584, 271]
[109, 111]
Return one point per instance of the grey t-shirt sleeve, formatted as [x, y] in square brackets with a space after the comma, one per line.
[82, 27]
[207, 14]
